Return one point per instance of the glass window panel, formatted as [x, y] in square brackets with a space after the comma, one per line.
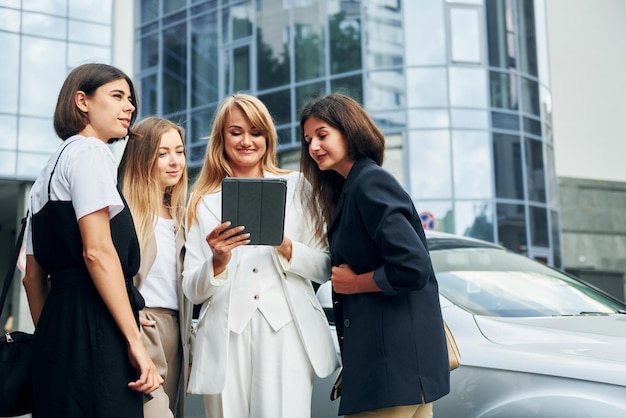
[29, 164]
[272, 44]
[149, 28]
[57, 7]
[279, 105]
[532, 126]
[9, 72]
[389, 120]
[512, 227]
[385, 36]
[546, 109]
[38, 94]
[149, 96]
[8, 163]
[443, 213]
[237, 69]
[172, 5]
[530, 96]
[90, 33]
[472, 119]
[503, 90]
[507, 162]
[468, 87]
[285, 137]
[477, 2]
[543, 60]
[204, 60]
[471, 157]
[501, 28]
[237, 22]
[555, 231]
[430, 169]
[350, 86]
[37, 135]
[9, 132]
[393, 160]
[174, 69]
[505, 121]
[539, 226]
[306, 93]
[201, 125]
[196, 154]
[385, 90]
[149, 10]
[203, 6]
[44, 25]
[527, 37]
[174, 18]
[474, 219]
[535, 172]
[425, 26]
[98, 11]
[427, 87]
[429, 118]
[79, 54]
[344, 28]
[309, 41]
[465, 35]
[289, 159]
[551, 178]
[149, 51]
[9, 20]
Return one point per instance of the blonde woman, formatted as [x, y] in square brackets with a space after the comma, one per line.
[262, 335]
[153, 177]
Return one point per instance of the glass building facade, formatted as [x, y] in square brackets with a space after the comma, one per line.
[460, 88]
[40, 42]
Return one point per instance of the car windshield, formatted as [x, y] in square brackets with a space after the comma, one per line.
[499, 283]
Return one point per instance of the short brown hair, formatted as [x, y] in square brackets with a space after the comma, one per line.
[68, 118]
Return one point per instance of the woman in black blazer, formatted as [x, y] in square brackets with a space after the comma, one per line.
[385, 292]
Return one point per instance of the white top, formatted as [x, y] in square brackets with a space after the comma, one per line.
[160, 288]
[86, 175]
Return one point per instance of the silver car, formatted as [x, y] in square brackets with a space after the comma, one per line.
[534, 341]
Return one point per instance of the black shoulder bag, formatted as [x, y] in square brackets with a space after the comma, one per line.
[15, 353]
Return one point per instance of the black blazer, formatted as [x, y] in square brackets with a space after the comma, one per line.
[393, 342]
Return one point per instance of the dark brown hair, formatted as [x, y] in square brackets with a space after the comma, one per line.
[68, 118]
[363, 140]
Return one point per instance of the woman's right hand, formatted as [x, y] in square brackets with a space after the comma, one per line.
[222, 241]
[149, 379]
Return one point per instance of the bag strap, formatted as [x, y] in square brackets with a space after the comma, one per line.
[10, 272]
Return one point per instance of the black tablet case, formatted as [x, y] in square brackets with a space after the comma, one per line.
[258, 204]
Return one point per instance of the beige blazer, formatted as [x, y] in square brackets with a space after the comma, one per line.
[310, 262]
[148, 255]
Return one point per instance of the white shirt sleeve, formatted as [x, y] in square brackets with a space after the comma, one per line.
[91, 173]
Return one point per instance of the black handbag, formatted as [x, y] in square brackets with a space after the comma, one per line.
[15, 353]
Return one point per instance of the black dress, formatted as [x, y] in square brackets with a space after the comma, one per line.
[80, 357]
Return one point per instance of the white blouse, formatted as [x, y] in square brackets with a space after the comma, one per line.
[86, 175]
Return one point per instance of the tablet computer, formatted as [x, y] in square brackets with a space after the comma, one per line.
[258, 204]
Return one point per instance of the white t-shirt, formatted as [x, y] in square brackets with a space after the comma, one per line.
[160, 287]
[86, 175]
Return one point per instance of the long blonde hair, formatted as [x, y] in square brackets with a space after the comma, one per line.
[138, 178]
[216, 165]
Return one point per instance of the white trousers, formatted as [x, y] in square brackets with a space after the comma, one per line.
[269, 375]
